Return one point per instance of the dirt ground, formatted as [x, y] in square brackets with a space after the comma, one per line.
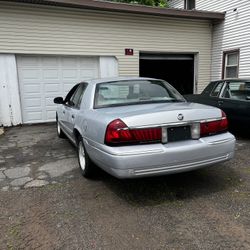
[46, 204]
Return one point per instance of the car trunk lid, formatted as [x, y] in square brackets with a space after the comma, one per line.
[160, 114]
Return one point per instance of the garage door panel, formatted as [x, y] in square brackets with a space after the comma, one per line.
[32, 102]
[30, 74]
[67, 86]
[51, 61]
[49, 102]
[88, 74]
[52, 87]
[50, 114]
[35, 116]
[89, 63]
[51, 74]
[42, 78]
[32, 88]
[69, 62]
[30, 61]
[71, 74]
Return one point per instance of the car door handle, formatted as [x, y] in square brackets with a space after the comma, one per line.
[73, 117]
[63, 111]
[220, 102]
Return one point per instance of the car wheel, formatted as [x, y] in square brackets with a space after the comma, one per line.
[86, 165]
[60, 133]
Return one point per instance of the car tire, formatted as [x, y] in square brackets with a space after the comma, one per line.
[60, 133]
[86, 166]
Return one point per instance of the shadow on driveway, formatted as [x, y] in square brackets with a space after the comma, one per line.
[172, 188]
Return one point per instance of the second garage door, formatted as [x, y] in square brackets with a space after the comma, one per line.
[177, 69]
[42, 78]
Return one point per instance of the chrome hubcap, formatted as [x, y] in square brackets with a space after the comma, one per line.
[81, 156]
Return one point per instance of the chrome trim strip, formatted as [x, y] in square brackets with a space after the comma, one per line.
[136, 153]
[220, 141]
[181, 166]
[175, 124]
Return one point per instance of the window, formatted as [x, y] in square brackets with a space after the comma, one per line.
[76, 99]
[70, 94]
[189, 4]
[134, 92]
[217, 89]
[230, 64]
[237, 90]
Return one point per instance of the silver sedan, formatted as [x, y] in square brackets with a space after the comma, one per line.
[135, 127]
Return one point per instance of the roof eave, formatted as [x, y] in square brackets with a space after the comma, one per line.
[129, 8]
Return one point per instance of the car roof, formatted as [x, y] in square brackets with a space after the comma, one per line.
[114, 79]
[233, 80]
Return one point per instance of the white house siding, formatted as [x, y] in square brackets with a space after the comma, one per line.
[176, 4]
[50, 30]
[46, 30]
[233, 33]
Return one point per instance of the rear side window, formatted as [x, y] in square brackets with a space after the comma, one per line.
[217, 89]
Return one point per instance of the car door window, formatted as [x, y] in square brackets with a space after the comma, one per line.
[237, 91]
[76, 99]
[216, 91]
[227, 92]
[70, 95]
[84, 86]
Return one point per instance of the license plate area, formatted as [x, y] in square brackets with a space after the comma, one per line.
[181, 133]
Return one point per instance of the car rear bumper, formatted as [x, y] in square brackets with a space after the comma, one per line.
[160, 159]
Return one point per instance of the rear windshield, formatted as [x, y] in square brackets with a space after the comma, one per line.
[132, 92]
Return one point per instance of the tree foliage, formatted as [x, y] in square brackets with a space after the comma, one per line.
[158, 3]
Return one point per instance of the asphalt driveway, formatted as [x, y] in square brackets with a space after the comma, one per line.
[46, 204]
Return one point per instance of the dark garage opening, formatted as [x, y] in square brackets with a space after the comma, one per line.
[177, 69]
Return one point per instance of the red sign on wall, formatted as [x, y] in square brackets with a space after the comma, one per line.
[129, 52]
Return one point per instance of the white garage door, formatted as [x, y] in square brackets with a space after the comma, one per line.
[42, 78]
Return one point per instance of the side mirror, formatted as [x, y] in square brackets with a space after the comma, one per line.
[58, 100]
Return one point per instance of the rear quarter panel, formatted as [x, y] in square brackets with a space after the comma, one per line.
[93, 126]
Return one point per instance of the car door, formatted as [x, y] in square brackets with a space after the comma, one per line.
[74, 108]
[213, 96]
[235, 104]
[64, 109]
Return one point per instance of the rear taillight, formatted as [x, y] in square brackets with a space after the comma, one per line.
[214, 127]
[118, 133]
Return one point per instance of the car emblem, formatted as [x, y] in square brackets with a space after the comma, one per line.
[180, 117]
